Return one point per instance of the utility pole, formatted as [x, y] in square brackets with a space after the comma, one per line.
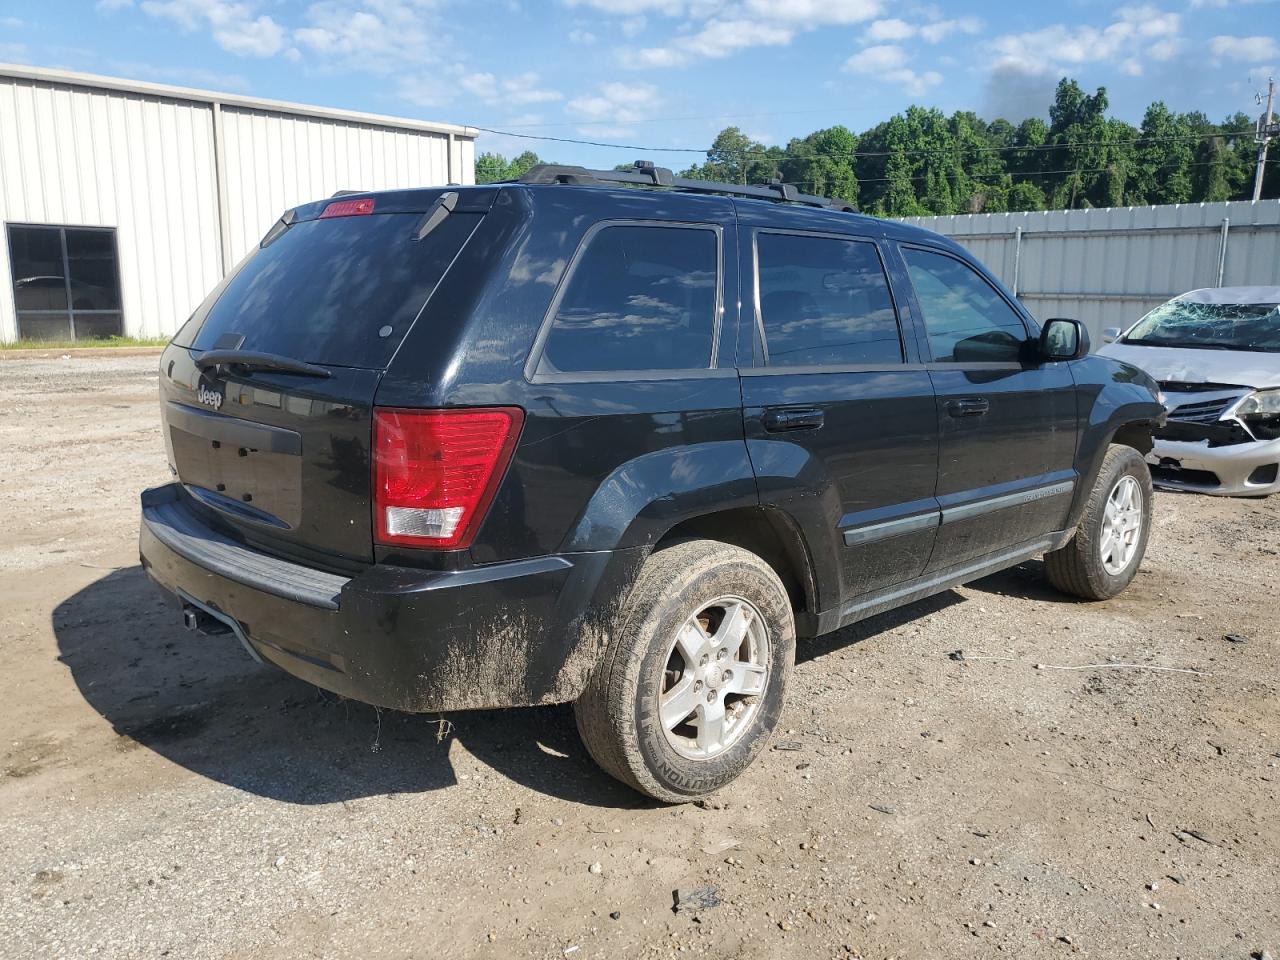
[1267, 128]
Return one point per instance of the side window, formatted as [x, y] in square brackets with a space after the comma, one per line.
[825, 301]
[640, 298]
[967, 321]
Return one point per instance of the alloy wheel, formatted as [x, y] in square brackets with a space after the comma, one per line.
[1121, 526]
[717, 670]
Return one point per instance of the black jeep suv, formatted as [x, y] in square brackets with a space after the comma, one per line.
[619, 439]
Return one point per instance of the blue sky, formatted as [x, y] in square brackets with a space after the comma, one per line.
[664, 72]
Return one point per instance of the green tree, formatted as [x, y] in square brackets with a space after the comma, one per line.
[1162, 164]
[1025, 195]
[921, 161]
[823, 163]
[730, 158]
[494, 167]
[490, 168]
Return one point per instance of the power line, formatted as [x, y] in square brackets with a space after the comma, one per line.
[592, 143]
[878, 154]
[1024, 173]
[706, 116]
[983, 148]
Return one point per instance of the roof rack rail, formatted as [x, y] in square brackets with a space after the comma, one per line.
[644, 173]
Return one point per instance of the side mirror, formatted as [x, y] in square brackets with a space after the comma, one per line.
[1063, 339]
[1111, 334]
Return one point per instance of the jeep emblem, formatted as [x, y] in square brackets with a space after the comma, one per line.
[211, 397]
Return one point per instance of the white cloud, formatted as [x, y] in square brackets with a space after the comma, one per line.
[633, 26]
[427, 89]
[606, 112]
[885, 56]
[890, 30]
[260, 37]
[514, 91]
[232, 24]
[671, 8]
[812, 13]
[375, 36]
[1250, 50]
[935, 31]
[716, 39]
[1137, 34]
[482, 85]
[939, 30]
[887, 63]
[582, 37]
[715, 28]
[442, 85]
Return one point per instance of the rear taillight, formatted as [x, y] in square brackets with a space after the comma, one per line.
[435, 472]
[348, 208]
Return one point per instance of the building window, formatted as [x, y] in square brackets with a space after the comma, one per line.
[66, 282]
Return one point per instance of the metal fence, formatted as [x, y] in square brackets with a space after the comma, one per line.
[1107, 267]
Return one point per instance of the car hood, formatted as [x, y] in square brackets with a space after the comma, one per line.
[1244, 367]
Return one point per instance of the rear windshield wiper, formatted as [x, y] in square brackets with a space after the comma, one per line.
[249, 360]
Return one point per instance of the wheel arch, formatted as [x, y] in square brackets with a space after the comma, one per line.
[773, 536]
[1136, 434]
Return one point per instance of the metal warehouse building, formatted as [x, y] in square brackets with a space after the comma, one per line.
[123, 203]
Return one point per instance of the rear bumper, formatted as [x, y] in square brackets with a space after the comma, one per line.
[1237, 469]
[506, 634]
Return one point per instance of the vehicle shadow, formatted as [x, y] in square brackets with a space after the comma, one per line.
[1028, 581]
[811, 649]
[203, 704]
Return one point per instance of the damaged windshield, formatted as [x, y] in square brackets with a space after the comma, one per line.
[1210, 326]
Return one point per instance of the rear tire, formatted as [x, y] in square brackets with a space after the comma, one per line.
[694, 679]
[1111, 539]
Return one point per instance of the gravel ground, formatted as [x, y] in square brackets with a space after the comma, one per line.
[160, 795]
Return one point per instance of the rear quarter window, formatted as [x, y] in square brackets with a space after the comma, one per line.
[340, 292]
[639, 297]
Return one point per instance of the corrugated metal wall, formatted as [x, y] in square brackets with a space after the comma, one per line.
[143, 166]
[274, 162]
[1107, 267]
[73, 155]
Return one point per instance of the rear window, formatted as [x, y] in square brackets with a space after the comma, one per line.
[639, 298]
[341, 292]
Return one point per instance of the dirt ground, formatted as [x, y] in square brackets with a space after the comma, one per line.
[161, 795]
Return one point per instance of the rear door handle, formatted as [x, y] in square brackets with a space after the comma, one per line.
[968, 407]
[793, 418]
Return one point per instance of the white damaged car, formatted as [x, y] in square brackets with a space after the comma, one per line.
[1216, 355]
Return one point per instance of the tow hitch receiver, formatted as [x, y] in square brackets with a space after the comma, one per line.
[198, 618]
[197, 621]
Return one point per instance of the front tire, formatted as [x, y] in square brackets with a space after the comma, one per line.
[1107, 549]
[694, 679]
